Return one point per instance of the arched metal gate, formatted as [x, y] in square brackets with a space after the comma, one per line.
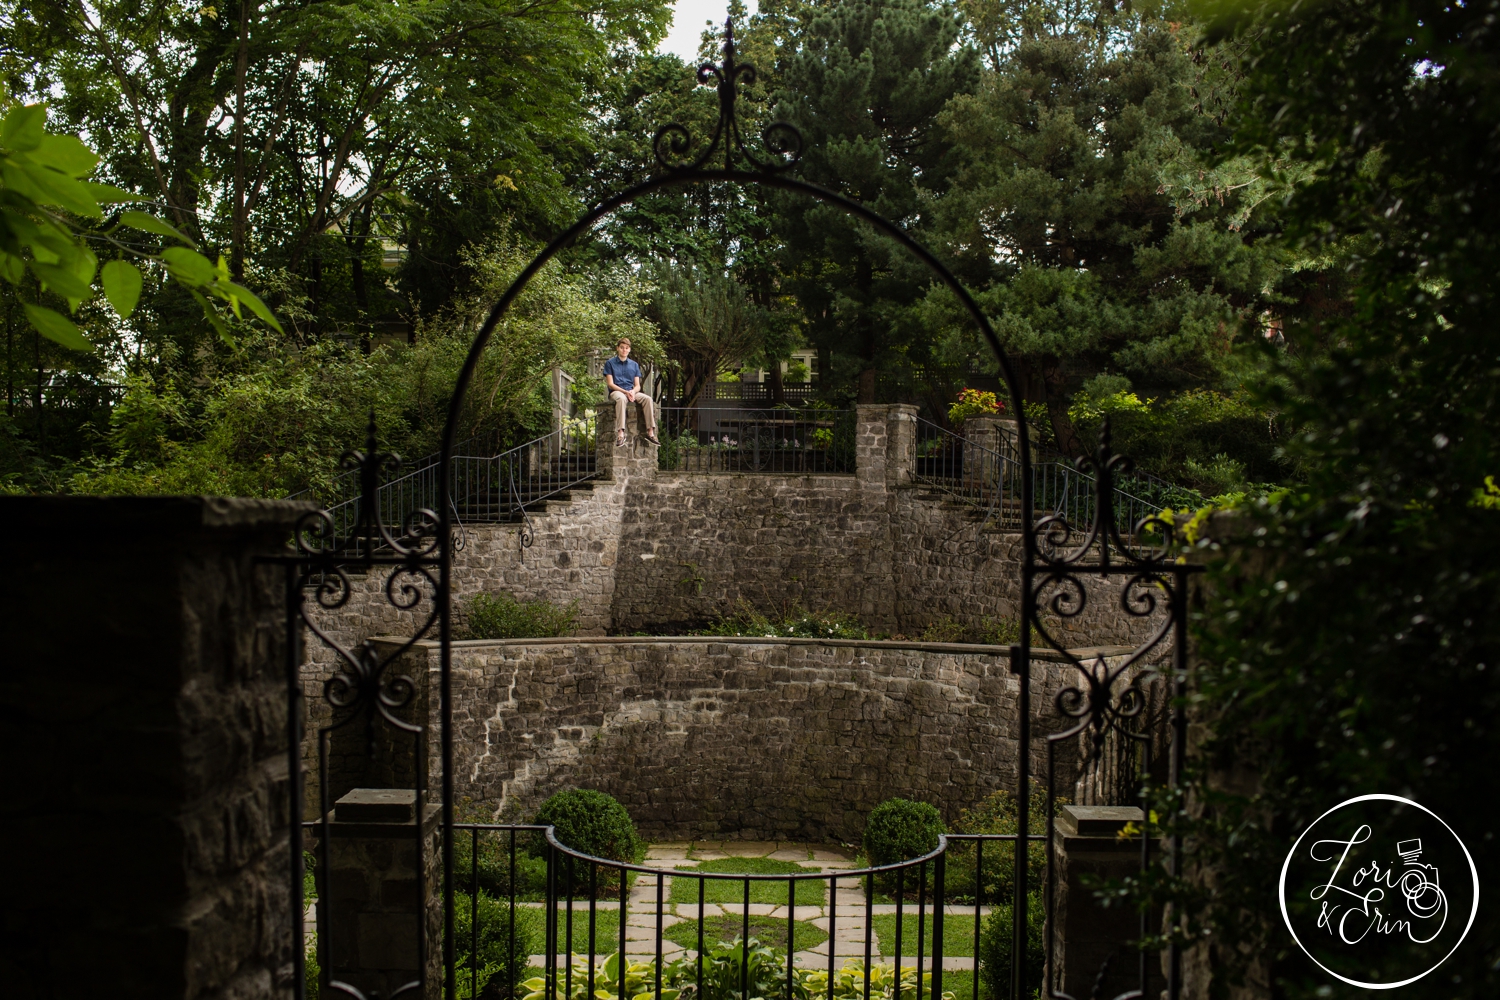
[412, 562]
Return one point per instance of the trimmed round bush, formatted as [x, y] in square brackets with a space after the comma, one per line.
[591, 822]
[899, 829]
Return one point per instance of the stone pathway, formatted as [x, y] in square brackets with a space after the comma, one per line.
[847, 916]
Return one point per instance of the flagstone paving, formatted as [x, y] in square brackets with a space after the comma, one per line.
[645, 915]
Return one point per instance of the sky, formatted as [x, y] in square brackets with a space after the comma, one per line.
[688, 21]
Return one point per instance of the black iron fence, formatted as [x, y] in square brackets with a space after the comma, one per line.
[983, 468]
[501, 487]
[774, 440]
[536, 920]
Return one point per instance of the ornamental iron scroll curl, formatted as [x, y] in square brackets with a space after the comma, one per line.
[1151, 539]
[404, 564]
[1106, 693]
[673, 143]
[417, 556]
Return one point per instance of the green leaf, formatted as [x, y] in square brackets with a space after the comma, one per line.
[12, 268]
[250, 299]
[122, 286]
[61, 280]
[66, 153]
[213, 318]
[17, 180]
[24, 127]
[151, 224]
[189, 266]
[60, 189]
[55, 326]
[106, 194]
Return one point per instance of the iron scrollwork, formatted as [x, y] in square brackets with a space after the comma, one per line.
[1108, 692]
[673, 143]
[404, 564]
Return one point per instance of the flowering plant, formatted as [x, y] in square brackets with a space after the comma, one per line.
[974, 403]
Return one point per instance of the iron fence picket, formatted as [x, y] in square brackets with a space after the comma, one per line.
[777, 441]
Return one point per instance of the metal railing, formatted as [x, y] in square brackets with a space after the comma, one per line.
[773, 441]
[532, 916]
[496, 487]
[756, 392]
[986, 472]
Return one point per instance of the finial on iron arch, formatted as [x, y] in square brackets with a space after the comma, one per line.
[781, 142]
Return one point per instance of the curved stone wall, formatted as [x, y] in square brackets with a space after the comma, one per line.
[768, 739]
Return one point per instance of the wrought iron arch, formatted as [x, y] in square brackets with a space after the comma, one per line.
[1057, 557]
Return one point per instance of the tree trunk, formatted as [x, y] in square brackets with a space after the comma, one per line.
[778, 388]
[358, 240]
[1063, 431]
[864, 279]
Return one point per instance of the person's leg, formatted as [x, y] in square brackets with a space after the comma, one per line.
[648, 410]
[619, 401]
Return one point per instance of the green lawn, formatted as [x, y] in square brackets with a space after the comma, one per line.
[606, 930]
[960, 984]
[685, 890]
[958, 934]
[767, 930]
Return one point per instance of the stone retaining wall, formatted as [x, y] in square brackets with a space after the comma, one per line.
[645, 550]
[787, 739]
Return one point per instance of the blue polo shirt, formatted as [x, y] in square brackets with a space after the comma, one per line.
[623, 372]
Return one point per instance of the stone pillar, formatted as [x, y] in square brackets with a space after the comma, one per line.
[982, 443]
[383, 882]
[143, 722]
[637, 459]
[1090, 841]
[885, 445]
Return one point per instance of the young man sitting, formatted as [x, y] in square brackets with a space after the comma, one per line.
[623, 379]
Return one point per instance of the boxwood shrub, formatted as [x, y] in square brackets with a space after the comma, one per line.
[899, 829]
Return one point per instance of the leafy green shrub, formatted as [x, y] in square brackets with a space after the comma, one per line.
[899, 829]
[491, 871]
[492, 963]
[1208, 442]
[996, 814]
[501, 616]
[995, 945]
[593, 823]
[313, 973]
[793, 623]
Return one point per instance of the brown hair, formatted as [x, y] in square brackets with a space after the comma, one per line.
[623, 340]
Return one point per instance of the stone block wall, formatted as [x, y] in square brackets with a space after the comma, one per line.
[694, 545]
[786, 739]
[148, 838]
[645, 550]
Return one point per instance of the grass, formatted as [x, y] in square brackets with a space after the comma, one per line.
[958, 934]
[606, 930]
[960, 984]
[809, 892]
[767, 930]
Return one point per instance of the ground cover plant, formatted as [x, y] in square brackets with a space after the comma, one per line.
[790, 623]
[731, 891]
[728, 927]
[501, 616]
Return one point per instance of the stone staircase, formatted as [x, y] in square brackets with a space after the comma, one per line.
[539, 493]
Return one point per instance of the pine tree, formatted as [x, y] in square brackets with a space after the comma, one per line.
[865, 88]
[1086, 194]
